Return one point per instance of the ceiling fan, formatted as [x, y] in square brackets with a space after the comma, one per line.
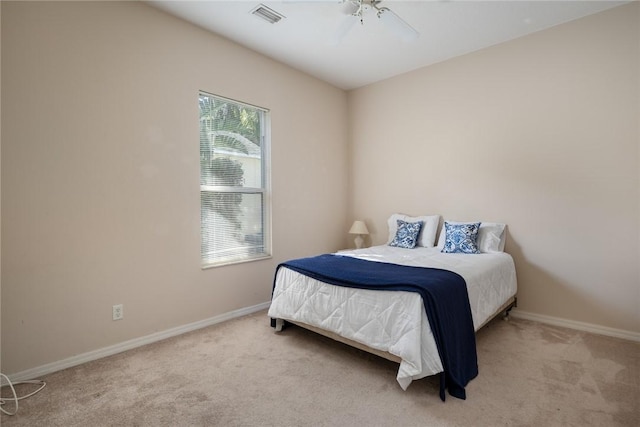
[358, 9]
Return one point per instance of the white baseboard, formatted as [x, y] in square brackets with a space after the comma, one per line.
[128, 345]
[573, 324]
[158, 336]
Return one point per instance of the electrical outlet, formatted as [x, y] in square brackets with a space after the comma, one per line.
[118, 312]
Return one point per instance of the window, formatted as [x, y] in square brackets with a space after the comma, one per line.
[234, 198]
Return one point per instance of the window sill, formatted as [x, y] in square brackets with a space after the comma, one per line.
[232, 262]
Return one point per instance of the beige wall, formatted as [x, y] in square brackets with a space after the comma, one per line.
[100, 174]
[541, 133]
[0, 185]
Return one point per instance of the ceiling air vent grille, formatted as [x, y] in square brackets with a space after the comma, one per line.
[268, 14]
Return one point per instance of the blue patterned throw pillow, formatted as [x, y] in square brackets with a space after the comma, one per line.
[407, 234]
[461, 238]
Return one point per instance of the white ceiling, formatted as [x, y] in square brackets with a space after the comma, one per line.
[306, 38]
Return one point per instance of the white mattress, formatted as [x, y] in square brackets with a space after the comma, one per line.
[394, 321]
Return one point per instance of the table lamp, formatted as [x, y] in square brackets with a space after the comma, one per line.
[359, 228]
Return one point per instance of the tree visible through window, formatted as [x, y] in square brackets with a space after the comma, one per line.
[233, 181]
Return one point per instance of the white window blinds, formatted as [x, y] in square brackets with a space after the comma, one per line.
[234, 203]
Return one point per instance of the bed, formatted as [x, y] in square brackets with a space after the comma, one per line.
[394, 323]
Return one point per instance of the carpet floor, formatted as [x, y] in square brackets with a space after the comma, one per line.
[241, 373]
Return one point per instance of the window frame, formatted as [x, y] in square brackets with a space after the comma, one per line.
[264, 191]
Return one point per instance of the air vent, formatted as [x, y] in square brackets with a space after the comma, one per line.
[268, 14]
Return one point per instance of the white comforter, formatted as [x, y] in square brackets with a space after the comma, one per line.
[394, 321]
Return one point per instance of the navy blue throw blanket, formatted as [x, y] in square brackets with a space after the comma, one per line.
[443, 292]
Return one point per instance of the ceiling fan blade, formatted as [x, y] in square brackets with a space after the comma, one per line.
[397, 25]
[347, 22]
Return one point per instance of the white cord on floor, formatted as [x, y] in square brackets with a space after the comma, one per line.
[15, 397]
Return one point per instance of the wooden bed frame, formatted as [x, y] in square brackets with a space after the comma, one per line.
[280, 323]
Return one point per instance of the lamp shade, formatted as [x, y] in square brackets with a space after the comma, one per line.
[359, 227]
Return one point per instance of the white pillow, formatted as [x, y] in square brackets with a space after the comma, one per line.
[427, 236]
[491, 236]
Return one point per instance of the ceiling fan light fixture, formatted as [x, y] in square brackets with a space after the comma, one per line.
[350, 7]
[357, 9]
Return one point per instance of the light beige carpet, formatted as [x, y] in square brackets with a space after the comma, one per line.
[241, 373]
